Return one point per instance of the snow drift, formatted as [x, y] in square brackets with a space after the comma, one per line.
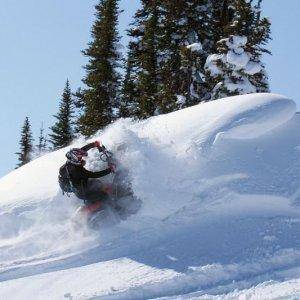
[219, 185]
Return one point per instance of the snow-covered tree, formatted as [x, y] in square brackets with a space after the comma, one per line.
[168, 50]
[26, 144]
[99, 99]
[184, 46]
[236, 68]
[195, 47]
[170, 42]
[62, 131]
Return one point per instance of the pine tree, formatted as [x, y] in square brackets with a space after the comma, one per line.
[221, 16]
[236, 68]
[78, 101]
[26, 144]
[129, 92]
[185, 44]
[141, 86]
[170, 43]
[102, 79]
[62, 132]
[168, 50]
[42, 145]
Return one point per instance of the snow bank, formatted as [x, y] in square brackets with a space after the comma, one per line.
[220, 202]
[252, 115]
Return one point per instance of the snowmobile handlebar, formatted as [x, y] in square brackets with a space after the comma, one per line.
[105, 155]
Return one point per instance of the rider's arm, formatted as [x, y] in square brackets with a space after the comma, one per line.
[88, 147]
[98, 174]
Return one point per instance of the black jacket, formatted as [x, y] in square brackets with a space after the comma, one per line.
[79, 175]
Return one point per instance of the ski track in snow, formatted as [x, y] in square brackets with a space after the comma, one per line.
[220, 215]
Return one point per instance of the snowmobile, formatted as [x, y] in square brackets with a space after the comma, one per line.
[118, 202]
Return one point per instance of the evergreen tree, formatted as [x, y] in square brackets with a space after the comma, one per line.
[141, 85]
[129, 92]
[168, 50]
[62, 132]
[185, 44]
[170, 42]
[78, 101]
[42, 145]
[236, 68]
[185, 52]
[102, 80]
[26, 144]
[148, 56]
[221, 16]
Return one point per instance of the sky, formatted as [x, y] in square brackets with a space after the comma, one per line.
[41, 49]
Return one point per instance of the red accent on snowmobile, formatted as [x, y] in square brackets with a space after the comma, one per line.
[91, 208]
[108, 189]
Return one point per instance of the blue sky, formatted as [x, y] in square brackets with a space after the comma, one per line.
[41, 48]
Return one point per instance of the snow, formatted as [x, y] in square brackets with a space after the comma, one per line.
[211, 64]
[239, 60]
[241, 86]
[290, 289]
[236, 41]
[237, 64]
[195, 47]
[236, 56]
[253, 68]
[220, 214]
[181, 100]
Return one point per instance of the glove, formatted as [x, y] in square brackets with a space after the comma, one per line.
[112, 167]
[98, 144]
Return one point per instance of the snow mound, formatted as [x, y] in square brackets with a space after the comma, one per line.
[220, 209]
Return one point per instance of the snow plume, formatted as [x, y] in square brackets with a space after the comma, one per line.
[39, 232]
[219, 185]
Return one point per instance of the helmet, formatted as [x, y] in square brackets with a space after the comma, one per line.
[75, 156]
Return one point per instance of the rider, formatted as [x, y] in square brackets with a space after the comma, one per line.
[82, 187]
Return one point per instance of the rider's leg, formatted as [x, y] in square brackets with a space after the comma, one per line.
[92, 203]
[98, 188]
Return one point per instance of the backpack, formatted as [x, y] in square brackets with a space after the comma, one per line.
[64, 180]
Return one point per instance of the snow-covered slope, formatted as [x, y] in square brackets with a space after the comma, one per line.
[220, 213]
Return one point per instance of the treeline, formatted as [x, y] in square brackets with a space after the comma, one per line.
[181, 53]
